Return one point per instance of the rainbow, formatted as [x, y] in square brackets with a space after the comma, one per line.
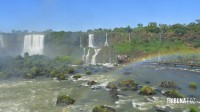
[155, 56]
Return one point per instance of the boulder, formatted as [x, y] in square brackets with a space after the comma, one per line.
[77, 76]
[90, 83]
[64, 100]
[103, 109]
[111, 86]
[147, 82]
[173, 94]
[122, 58]
[146, 90]
[128, 85]
[193, 85]
[169, 84]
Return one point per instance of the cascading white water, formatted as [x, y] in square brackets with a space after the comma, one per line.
[91, 41]
[84, 55]
[1, 41]
[87, 59]
[33, 44]
[106, 43]
[93, 61]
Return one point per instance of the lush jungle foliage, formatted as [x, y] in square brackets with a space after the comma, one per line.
[36, 65]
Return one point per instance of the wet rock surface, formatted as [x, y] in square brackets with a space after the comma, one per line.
[103, 109]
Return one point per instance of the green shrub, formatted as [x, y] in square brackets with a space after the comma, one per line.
[64, 100]
[88, 73]
[103, 109]
[70, 70]
[60, 76]
[128, 84]
[76, 76]
[193, 85]
[146, 90]
[111, 86]
[194, 109]
[173, 94]
[28, 76]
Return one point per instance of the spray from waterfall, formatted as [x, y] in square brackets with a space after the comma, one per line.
[1, 41]
[84, 55]
[106, 42]
[33, 44]
[93, 61]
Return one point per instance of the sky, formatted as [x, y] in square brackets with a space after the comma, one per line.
[81, 15]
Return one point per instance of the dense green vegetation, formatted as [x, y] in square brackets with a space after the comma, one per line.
[36, 65]
[139, 40]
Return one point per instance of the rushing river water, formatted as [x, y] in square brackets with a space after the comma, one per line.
[39, 95]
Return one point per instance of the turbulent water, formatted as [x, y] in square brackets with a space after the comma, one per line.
[33, 44]
[40, 95]
[84, 55]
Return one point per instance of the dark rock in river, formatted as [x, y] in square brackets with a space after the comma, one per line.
[77, 76]
[103, 109]
[127, 73]
[169, 84]
[113, 90]
[128, 85]
[147, 82]
[114, 94]
[90, 83]
[122, 58]
[111, 85]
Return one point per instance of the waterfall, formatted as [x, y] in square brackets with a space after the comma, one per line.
[93, 61]
[1, 41]
[91, 41]
[106, 43]
[87, 60]
[84, 55]
[33, 44]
